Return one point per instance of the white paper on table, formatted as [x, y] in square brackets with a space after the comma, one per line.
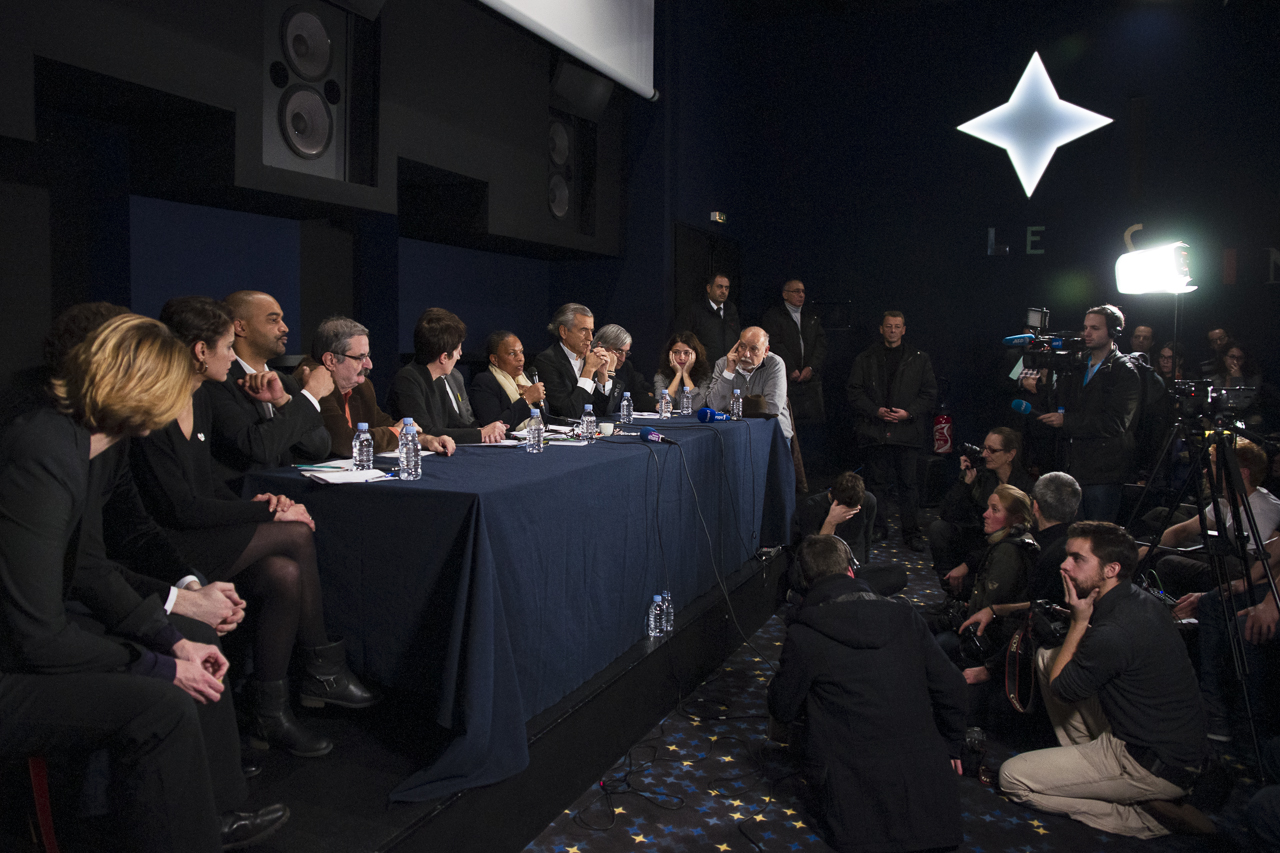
[395, 454]
[645, 415]
[551, 430]
[568, 442]
[506, 442]
[331, 465]
[334, 477]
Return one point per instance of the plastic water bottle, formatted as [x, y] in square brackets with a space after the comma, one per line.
[657, 623]
[670, 611]
[735, 405]
[664, 405]
[686, 401]
[625, 408]
[588, 424]
[533, 444]
[410, 453]
[362, 448]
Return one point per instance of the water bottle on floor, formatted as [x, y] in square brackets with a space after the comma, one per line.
[410, 452]
[657, 617]
[669, 608]
[625, 408]
[533, 444]
[735, 405]
[664, 404]
[588, 425]
[362, 448]
[686, 401]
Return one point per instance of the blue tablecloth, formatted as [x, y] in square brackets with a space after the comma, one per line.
[502, 580]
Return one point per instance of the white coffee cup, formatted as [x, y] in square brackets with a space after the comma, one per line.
[605, 427]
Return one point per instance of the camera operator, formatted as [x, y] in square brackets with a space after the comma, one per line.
[956, 538]
[1100, 401]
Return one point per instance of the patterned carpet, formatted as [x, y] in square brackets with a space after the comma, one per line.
[709, 779]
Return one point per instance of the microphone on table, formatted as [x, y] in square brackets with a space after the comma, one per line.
[651, 434]
[1022, 407]
[708, 414]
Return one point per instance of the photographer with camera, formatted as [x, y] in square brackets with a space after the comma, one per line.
[1100, 402]
[956, 538]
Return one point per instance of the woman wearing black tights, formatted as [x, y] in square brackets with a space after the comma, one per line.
[265, 544]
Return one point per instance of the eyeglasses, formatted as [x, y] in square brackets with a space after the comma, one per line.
[364, 357]
[993, 450]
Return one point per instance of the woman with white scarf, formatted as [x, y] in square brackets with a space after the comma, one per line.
[503, 392]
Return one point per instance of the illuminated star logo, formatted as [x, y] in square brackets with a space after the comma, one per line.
[1033, 124]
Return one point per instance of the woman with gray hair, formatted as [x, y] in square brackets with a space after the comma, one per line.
[617, 341]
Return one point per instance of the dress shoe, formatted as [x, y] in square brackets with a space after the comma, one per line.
[327, 680]
[272, 722]
[915, 542]
[245, 829]
[250, 767]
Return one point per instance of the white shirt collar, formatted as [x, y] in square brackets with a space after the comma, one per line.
[245, 365]
[575, 360]
[719, 309]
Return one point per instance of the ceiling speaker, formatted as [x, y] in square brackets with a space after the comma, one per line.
[558, 196]
[306, 43]
[305, 122]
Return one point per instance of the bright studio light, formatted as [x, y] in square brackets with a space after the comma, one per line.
[1163, 269]
[1033, 124]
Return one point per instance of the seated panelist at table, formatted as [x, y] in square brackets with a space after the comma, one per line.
[574, 372]
[616, 341]
[749, 367]
[504, 392]
[422, 389]
[261, 418]
[684, 363]
[341, 346]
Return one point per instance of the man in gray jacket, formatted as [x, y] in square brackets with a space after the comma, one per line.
[749, 367]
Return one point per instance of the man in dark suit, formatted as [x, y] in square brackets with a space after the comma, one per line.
[573, 372]
[714, 319]
[261, 418]
[422, 389]
[795, 334]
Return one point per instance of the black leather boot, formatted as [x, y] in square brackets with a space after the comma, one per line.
[272, 722]
[245, 829]
[327, 679]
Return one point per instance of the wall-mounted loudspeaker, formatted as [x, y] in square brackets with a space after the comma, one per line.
[316, 112]
[571, 160]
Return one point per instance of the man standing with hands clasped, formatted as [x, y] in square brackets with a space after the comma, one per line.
[1123, 698]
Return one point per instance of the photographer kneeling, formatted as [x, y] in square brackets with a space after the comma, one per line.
[957, 538]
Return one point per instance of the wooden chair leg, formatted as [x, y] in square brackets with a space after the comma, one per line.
[40, 791]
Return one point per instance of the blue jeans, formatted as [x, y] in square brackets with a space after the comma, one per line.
[1215, 663]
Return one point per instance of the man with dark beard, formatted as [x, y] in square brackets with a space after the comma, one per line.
[1122, 695]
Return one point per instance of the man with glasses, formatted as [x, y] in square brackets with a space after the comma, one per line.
[749, 367]
[263, 418]
[341, 346]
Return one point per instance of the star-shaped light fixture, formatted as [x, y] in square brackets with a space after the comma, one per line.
[1033, 124]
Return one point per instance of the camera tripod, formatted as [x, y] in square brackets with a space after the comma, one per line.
[1224, 494]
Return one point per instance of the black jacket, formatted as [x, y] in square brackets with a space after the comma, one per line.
[785, 339]
[886, 713]
[565, 398]
[416, 394]
[490, 401]
[913, 388]
[245, 439]
[716, 335]
[856, 532]
[1099, 422]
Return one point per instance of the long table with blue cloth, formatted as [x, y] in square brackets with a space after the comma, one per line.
[502, 580]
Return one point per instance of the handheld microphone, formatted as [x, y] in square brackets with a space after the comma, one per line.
[1018, 340]
[651, 434]
[1022, 407]
[708, 414]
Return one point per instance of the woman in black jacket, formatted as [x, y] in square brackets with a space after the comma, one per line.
[504, 393]
[266, 543]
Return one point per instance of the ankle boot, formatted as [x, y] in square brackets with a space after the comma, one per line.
[328, 680]
[272, 722]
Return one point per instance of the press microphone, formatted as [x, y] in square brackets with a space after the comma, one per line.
[708, 414]
[1022, 407]
[1018, 340]
[651, 434]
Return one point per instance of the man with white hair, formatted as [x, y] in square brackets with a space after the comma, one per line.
[574, 372]
[749, 367]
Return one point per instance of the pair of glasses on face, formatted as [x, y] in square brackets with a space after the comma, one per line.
[353, 356]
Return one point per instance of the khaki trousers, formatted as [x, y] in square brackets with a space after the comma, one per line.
[1091, 777]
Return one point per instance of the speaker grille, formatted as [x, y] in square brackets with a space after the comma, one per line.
[558, 143]
[305, 122]
[558, 196]
[306, 44]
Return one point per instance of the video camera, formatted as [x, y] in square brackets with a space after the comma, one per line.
[1053, 351]
[1198, 397]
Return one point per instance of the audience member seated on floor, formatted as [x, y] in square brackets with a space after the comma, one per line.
[616, 341]
[341, 346]
[749, 367]
[261, 418]
[1256, 616]
[684, 363]
[574, 372]
[430, 391]
[266, 542]
[1001, 576]
[503, 392]
[956, 537]
[124, 678]
[1179, 574]
[1123, 699]
[885, 710]
[848, 510]
[1055, 497]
